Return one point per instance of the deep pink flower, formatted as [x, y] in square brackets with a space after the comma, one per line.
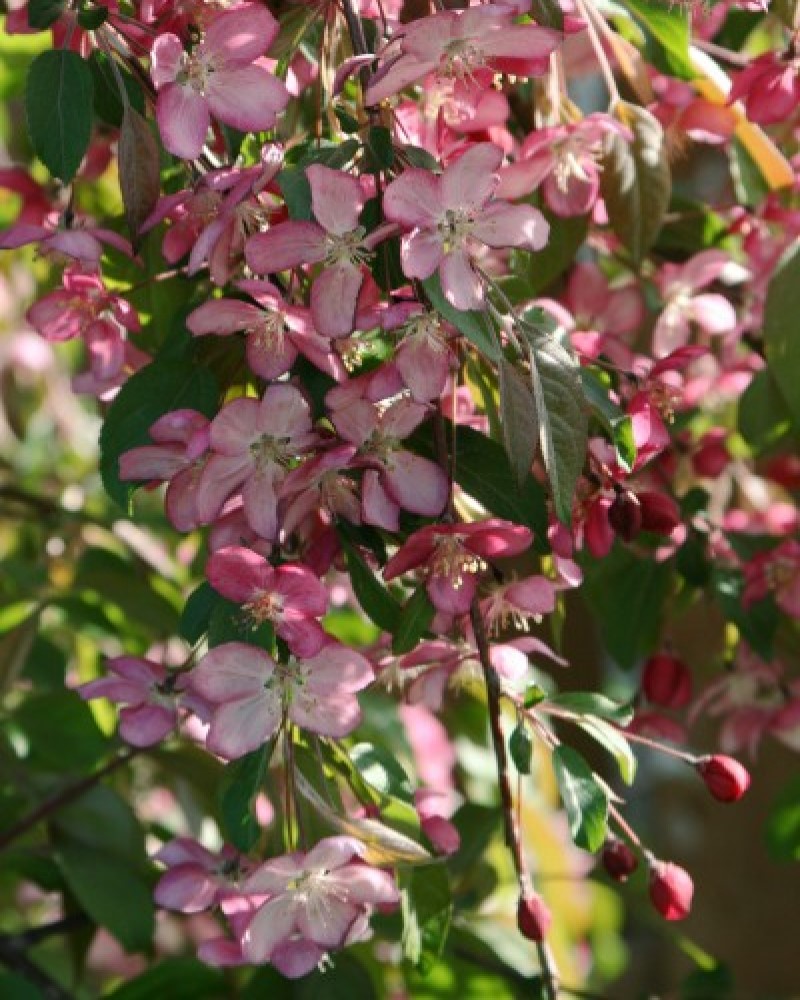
[454, 555]
[221, 76]
[82, 300]
[725, 778]
[316, 900]
[276, 332]
[253, 694]
[254, 444]
[149, 693]
[321, 484]
[196, 878]
[457, 43]
[289, 596]
[776, 572]
[337, 240]
[450, 216]
[769, 88]
[79, 242]
[666, 681]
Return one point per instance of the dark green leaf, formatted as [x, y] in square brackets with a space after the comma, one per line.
[520, 746]
[592, 703]
[585, 800]
[764, 417]
[612, 740]
[196, 617]
[379, 767]
[43, 13]
[618, 424]
[757, 623]
[782, 329]
[666, 31]
[379, 148]
[242, 781]
[90, 18]
[139, 166]
[346, 979]
[474, 325]
[13, 987]
[107, 101]
[157, 389]
[296, 192]
[413, 621]
[548, 13]
[709, 984]
[636, 180]
[518, 419]
[176, 979]
[101, 819]
[540, 269]
[230, 623]
[783, 824]
[61, 731]
[748, 181]
[373, 597]
[427, 907]
[58, 104]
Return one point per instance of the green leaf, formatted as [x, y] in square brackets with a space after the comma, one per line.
[242, 781]
[618, 424]
[757, 623]
[764, 418]
[474, 325]
[112, 893]
[548, 13]
[413, 621]
[666, 32]
[177, 979]
[626, 595]
[585, 800]
[520, 746]
[58, 104]
[636, 180]
[346, 979]
[560, 406]
[90, 18]
[296, 193]
[709, 984]
[540, 269]
[229, 623]
[156, 389]
[373, 597]
[139, 168]
[13, 615]
[749, 183]
[427, 908]
[783, 824]
[380, 769]
[518, 419]
[43, 13]
[13, 987]
[61, 731]
[101, 819]
[378, 145]
[196, 616]
[612, 740]
[782, 329]
[107, 101]
[592, 703]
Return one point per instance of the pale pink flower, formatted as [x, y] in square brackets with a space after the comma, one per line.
[275, 331]
[679, 285]
[79, 242]
[223, 76]
[253, 694]
[456, 44]
[316, 902]
[336, 240]
[455, 555]
[423, 356]
[450, 216]
[290, 596]
[514, 604]
[196, 879]
[254, 443]
[321, 484]
[149, 692]
[83, 300]
[177, 456]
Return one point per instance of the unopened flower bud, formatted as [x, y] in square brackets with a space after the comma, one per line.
[660, 513]
[533, 917]
[666, 681]
[712, 457]
[618, 859]
[671, 889]
[725, 778]
[625, 515]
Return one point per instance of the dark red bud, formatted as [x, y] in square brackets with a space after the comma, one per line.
[725, 778]
[666, 681]
[625, 515]
[660, 513]
[618, 859]
[671, 890]
[712, 457]
[533, 917]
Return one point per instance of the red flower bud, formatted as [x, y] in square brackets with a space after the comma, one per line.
[618, 859]
[625, 515]
[533, 917]
[725, 778]
[712, 456]
[666, 681]
[671, 890]
[660, 513]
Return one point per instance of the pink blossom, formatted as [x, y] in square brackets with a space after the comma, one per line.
[454, 555]
[149, 693]
[456, 44]
[451, 215]
[321, 484]
[177, 456]
[317, 901]
[679, 285]
[776, 572]
[337, 240]
[78, 242]
[253, 694]
[423, 356]
[289, 596]
[70, 311]
[516, 602]
[275, 331]
[769, 88]
[254, 443]
[196, 878]
[223, 76]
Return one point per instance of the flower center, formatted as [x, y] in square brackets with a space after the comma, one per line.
[454, 228]
[453, 561]
[267, 450]
[347, 248]
[264, 606]
[270, 332]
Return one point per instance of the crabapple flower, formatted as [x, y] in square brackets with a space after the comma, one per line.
[336, 240]
[423, 356]
[177, 456]
[149, 693]
[454, 44]
[453, 556]
[321, 484]
[516, 602]
[777, 573]
[671, 889]
[223, 76]
[276, 332]
[679, 285]
[769, 88]
[195, 878]
[81, 243]
[83, 300]
[254, 443]
[289, 596]
[317, 900]
[451, 215]
[252, 694]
